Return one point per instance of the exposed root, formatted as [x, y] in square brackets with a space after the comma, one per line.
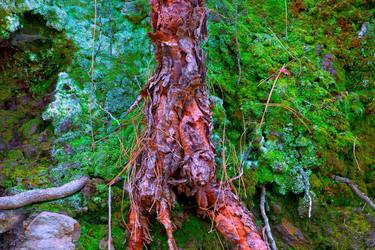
[232, 219]
[164, 218]
[40, 195]
[355, 189]
[267, 227]
[138, 228]
[178, 151]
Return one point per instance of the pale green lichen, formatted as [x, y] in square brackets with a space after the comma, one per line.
[66, 103]
[55, 17]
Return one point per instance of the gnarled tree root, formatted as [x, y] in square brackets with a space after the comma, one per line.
[40, 195]
[179, 155]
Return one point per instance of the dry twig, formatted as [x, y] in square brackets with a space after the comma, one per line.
[355, 189]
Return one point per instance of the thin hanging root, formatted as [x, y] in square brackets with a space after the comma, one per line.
[138, 229]
[265, 218]
[232, 219]
[164, 218]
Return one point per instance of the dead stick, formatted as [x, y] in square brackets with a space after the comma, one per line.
[35, 196]
[355, 189]
[134, 105]
[265, 218]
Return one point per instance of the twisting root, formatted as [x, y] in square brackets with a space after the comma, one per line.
[232, 219]
[178, 150]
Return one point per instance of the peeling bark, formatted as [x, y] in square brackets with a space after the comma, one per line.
[179, 155]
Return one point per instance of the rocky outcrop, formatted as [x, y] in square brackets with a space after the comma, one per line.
[50, 231]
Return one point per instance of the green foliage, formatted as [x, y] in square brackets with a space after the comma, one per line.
[311, 110]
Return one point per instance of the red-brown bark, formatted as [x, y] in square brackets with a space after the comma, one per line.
[179, 153]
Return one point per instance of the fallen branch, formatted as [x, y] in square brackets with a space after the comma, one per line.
[265, 218]
[355, 189]
[35, 196]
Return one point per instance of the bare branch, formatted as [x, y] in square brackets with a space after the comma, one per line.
[355, 189]
[35, 196]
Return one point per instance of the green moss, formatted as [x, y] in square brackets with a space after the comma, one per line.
[30, 127]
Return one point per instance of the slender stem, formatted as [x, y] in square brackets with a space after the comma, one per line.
[237, 42]
[286, 18]
[109, 217]
[93, 75]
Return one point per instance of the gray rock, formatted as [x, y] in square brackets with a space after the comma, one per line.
[9, 219]
[50, 231]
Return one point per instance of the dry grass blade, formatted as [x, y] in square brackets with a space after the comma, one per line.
[355, 155]
[270, 95]
[295, 112]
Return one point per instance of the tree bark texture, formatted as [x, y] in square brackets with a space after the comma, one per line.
[179, 156]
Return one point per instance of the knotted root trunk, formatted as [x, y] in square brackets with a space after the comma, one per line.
[179, 153]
